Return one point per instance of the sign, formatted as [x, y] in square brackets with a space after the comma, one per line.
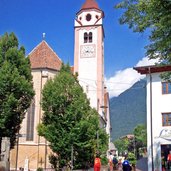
[165, 134]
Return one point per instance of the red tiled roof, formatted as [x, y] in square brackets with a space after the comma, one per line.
[42, 56]
[89, 4]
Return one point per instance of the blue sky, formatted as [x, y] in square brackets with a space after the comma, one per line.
[30, 18]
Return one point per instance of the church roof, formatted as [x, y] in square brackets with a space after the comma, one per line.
[42, 56]
[90, 4]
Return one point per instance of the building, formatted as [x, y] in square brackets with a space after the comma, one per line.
[89, 55]
[45, 64]
[158, 115]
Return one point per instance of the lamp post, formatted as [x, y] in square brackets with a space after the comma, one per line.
[16, 160]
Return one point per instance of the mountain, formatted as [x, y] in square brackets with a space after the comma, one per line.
[128, 109]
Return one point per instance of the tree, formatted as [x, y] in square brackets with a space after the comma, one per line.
[134, 144]
[16, 89]
[154, 15]
[140, 135]
[122, 145]
[132, 159]
[69, 121]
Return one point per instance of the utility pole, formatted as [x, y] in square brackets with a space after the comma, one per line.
[151, 119]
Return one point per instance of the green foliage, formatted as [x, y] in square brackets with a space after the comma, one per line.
[122, 145]
[69, 120]
[39, 169]
[16, 89]
[54, 161]
[154, 15]
[104, 160]
[140, 133]
[135, 144]
[131, 158]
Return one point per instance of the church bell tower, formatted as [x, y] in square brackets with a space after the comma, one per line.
[89, 52]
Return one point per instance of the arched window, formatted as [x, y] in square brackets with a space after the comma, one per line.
[90, 37]
[85, 37]
[30, 122]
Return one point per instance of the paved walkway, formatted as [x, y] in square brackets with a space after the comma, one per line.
[142, 164]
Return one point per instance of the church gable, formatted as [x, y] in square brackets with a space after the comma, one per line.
[42, 56]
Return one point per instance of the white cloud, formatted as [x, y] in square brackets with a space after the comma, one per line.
[124, 79]
[145, 62]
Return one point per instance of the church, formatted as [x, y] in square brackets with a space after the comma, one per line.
[32, 150]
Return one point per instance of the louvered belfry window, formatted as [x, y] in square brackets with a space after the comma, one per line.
[30, 122]
[85, 37]
[88, 37]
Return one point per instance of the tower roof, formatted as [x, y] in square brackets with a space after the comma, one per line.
[90, 4]
[42, 56]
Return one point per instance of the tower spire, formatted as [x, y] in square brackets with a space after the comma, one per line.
[90, 4]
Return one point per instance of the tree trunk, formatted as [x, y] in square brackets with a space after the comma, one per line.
[133, 168]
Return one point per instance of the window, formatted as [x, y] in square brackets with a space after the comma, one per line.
[88, 17]
[166, 119]
[88, 38]
[166, 87]
[85, 37]
[30, 122]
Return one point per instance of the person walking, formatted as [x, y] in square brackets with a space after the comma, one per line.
[126, 166]
[115, 162]
[97, 163]
[110, 162]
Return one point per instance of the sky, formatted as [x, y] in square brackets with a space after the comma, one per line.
[29, 19]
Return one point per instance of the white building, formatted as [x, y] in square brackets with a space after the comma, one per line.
[158, 115]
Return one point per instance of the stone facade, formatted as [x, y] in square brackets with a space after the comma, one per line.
[36, 149]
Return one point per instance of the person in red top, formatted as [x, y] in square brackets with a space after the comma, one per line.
[97, 163]
[169, 160]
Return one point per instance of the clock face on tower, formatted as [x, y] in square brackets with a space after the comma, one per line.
[87, 51]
